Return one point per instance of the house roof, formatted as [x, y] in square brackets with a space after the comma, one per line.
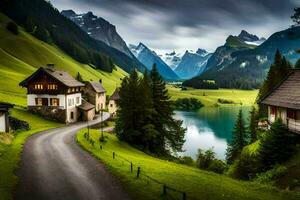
[97, 87]
[86, 106]
[115, 96]
[287, 94]
[61, 76]
[5, 106]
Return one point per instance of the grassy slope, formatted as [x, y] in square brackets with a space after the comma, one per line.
[22, 54]
[10, 154]
[197, 183]
[210, 97]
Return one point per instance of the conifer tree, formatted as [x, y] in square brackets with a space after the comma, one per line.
[277, 145]
[253, 124]
[171, 132]
[239, 140]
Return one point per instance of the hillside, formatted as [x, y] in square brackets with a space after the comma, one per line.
[44, 21]
[197, 184]
[247, 67]
[22, 54]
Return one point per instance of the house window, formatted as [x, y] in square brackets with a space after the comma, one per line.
[293, 114]
[54, 102]
[111, 105]
[273, 110]
[52, 87]
[77, 100]
[38, 101]
[69, 102]
[38, 86]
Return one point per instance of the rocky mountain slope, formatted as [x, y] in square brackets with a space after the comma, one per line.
[192, 63]
[99, 29]
[149, 57]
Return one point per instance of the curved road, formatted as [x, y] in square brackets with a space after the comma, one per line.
[53, 166]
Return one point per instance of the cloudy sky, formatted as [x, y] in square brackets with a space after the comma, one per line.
[167, 25]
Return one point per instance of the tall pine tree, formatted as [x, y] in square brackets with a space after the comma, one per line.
[279, 70]
[239, 140]
[253, 124]
[171, 131]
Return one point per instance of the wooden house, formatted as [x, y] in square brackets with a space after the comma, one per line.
[112, 104]
[95, 94]
[4, 120]
[284, 102]
[54, 94]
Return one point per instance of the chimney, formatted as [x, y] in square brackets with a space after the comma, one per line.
[50, 67]
[100, 80]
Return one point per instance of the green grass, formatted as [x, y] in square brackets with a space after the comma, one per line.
[22, 54]
[10, 154]
[210, 97]
[196, 183]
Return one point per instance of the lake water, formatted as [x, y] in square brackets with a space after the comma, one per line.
[209, 127]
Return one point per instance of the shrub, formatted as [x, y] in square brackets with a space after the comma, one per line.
[187, 104]
[272, 175]
[187, 160]
[217, 166]
[225, 101]
[205, 158]
[12, 27]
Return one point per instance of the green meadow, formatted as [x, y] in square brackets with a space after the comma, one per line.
[210, 97]
[197, 184]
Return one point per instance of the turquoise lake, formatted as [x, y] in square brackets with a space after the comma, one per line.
[209, 127]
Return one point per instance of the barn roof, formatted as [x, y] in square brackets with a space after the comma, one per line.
[86, 106]
[97, 87]
[287, 94]
[115, 96]
[61, 76]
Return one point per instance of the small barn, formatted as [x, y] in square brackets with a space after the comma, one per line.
[87, 111]
[284, 102]
[4, 114]
[112, 104]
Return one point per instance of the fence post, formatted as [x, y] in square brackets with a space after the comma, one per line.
[183, 196]
[138, 172]
[101, 147]
[131, 167]
[164, 189]
[113, 155]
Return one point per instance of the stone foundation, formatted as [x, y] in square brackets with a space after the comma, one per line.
[52, 113]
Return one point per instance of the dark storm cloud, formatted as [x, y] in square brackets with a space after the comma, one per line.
[167, 24]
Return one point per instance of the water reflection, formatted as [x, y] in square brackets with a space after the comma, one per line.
[209, 127]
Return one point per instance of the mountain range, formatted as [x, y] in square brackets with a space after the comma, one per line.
[192, 63]
[149, 57]
[238, 64]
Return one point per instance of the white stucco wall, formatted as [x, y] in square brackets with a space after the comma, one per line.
[72, 104]
[2, 122]
[31, 99]
[112, 107]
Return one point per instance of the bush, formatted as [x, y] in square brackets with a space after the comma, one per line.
[272, 175]
[187, 104]
[187, 160]
[225, 101]
[12, 27]
[217, 166]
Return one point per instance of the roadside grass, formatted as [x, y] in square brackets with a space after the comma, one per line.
[197, 184]
[210, 97]
[10, 153]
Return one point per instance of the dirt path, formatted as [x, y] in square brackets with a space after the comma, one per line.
[54, 167]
